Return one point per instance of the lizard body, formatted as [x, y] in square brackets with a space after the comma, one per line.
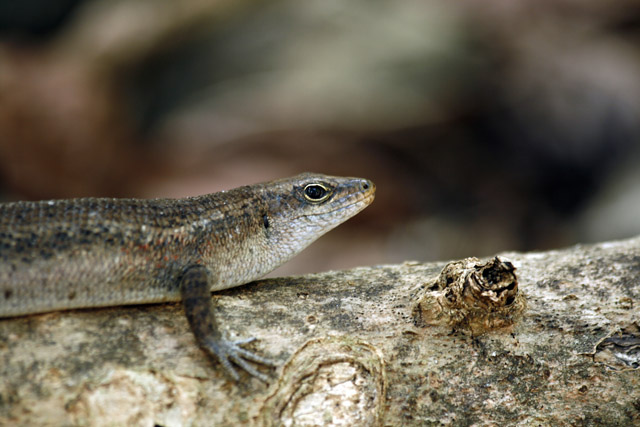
[96, 252]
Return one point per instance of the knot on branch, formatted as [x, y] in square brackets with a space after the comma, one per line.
[334, 380]
[472, 296]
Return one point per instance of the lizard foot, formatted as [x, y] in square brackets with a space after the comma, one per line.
[230, 352]
[195, 287]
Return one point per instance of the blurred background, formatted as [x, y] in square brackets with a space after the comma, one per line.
[486, 126]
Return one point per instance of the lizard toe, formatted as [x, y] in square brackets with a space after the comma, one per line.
[230, 353]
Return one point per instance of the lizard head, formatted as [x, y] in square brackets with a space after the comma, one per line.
[262, 226]
[302, 208]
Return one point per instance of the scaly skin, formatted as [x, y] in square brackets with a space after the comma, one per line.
[79, 253]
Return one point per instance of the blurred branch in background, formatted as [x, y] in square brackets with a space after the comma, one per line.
[486, 127]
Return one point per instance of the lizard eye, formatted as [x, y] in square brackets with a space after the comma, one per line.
[316, 192]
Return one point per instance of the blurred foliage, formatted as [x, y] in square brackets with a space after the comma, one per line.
[486, 126]
[34, 18]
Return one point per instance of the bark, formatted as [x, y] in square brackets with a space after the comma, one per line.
[554, 342]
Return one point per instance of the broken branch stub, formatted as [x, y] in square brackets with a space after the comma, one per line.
[472, 297]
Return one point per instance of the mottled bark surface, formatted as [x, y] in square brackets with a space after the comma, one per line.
[356, 347]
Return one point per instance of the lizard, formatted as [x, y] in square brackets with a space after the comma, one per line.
[99, 252]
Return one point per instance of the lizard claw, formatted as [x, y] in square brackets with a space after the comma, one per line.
[230, 351]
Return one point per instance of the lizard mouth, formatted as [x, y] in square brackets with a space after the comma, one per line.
[364, 196]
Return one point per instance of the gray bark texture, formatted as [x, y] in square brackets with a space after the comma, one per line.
[554, 342]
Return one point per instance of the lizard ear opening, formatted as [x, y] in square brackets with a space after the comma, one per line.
[316, 192]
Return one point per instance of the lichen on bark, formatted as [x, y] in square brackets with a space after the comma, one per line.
[568, 358]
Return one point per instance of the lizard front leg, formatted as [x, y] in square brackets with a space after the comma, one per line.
[195, 286]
